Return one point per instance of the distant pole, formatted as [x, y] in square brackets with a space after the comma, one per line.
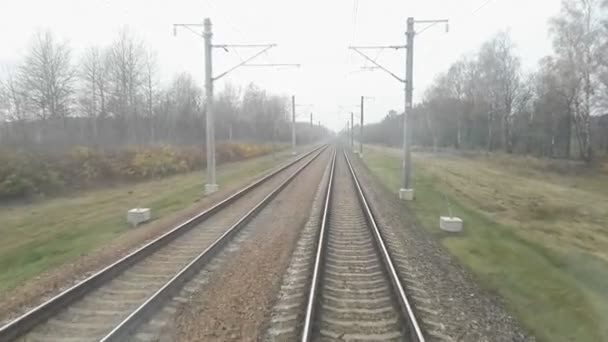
[409, 88]
[352, 134]
[293, 125]
[361, 130]
[310, 119]
[211, 185]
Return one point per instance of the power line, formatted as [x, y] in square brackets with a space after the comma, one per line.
[355, 17]
[235, 29]
[481, 6]
[211, 185]
[355, 14]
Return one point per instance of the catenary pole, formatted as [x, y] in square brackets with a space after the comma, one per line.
[361, 129]
[211, 185]
[293, 124]
[409, 88]
[352, 134]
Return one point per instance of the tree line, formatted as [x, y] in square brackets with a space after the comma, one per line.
[112, 96]
[486, 101]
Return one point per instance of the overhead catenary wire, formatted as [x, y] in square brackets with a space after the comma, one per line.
[463, 15]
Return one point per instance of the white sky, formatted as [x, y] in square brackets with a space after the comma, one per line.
[313, 33]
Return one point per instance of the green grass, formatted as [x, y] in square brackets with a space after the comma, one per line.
[556, 285]
[40, 236]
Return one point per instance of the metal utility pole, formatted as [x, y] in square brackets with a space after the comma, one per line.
[211, 185]
[361, 130]
[352, 134]
[293, 121]
[406, 192]
[361, 117]
[293, 125]
[409, 88]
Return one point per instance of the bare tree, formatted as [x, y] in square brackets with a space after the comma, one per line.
[150, 78]
[12, 97]
[13, 105]
[94, 86]
[578, 39]
[227, 106]
[126, 56]
[185, 105]
[501, 77]
[47, 78]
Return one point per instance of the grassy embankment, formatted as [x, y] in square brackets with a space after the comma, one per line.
[536, 232]
[39, 236]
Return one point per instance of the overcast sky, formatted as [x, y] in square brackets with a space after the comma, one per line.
[313, 33]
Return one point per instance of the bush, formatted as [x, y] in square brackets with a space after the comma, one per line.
[26, 173]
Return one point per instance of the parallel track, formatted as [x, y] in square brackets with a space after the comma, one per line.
[355, 292]
[109, 304]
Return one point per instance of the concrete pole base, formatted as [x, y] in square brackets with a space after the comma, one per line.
[293, 153]
[450, 224]
[406, 194]
[211, 188]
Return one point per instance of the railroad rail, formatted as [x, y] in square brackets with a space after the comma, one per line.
[131, 282]
[355, 291]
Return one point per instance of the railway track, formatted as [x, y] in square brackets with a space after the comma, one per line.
[354, 292]
[110, 304]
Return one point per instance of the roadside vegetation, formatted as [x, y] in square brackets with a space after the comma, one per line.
[45, 234]
[525, 168]
[535, 232]
[30, 174]
[86, 135]
[486, 100]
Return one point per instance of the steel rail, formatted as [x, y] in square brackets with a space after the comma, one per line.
[405, 307]
[44, 311]
[314, 284]
[123, 329]
[404, 303]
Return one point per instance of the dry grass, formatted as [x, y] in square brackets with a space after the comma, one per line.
[39, 236]
[548, 206]
[535, 232]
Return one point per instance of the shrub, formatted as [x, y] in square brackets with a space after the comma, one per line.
[25, 173]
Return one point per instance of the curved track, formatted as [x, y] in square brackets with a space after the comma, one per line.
[108, 304]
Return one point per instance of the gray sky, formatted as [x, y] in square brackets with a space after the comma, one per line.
[314, 33]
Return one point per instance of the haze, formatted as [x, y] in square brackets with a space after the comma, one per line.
[315, 34]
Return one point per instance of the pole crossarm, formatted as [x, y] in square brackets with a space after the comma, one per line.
[302, 105]
[432, 23]
[377, 64]
[396, 47]
[225, 46]
[266, 48]
[188, 27]
[273, 65]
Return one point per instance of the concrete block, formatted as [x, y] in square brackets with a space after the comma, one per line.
[450, 224]
[138, 215]
[211, 188]
[406, 194]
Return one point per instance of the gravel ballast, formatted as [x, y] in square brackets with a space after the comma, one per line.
[459, 309]
[52, 282]
[235, 304]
